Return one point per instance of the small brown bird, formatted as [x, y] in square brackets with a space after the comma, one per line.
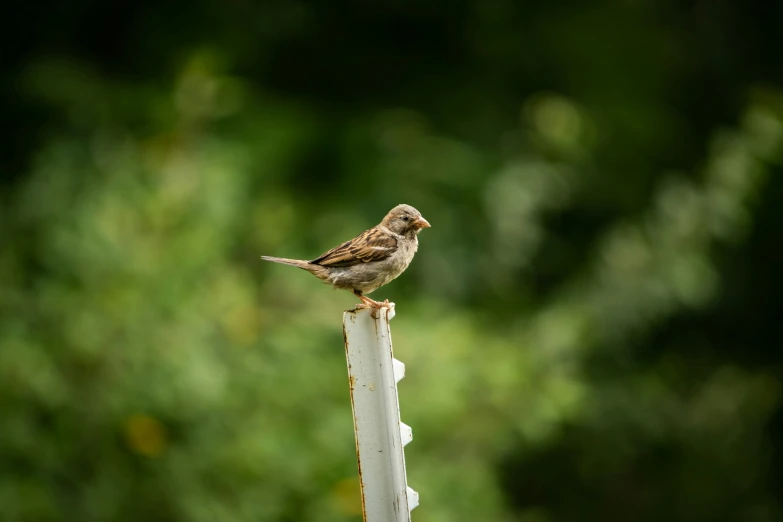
[371, 259]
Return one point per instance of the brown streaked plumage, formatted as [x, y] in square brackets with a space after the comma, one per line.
[371, 259]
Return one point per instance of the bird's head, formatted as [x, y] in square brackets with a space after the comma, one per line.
[405, 220]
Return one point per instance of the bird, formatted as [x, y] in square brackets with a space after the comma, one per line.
[370, 260]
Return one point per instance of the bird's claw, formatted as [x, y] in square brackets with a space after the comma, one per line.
[376, 309]
[375, 306]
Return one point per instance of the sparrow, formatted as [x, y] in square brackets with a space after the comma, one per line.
[371, 259]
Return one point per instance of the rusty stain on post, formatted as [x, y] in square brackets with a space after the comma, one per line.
[373, 374]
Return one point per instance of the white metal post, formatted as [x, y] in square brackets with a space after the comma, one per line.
[373, 373]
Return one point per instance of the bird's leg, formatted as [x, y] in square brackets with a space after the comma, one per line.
[370, 302]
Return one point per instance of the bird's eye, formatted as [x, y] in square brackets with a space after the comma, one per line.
[405, 218]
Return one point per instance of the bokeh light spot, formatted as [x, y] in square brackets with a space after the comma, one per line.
[145, 435]
[556, 119]
[347, 497]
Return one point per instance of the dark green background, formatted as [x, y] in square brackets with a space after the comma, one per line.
[590, 327]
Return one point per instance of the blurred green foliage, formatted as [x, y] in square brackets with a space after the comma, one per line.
[589, 328]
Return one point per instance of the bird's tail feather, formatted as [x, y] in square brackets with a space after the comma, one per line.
[284, 261]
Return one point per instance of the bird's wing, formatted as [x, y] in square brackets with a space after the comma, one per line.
[371, 245]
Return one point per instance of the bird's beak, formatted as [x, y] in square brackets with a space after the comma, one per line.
[422, 223]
